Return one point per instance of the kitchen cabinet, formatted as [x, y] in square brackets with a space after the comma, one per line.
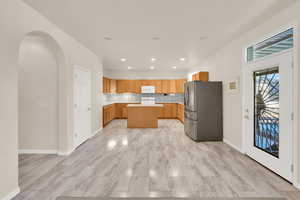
[134, 86]
[122, 86]
[180, 85]
[180, 112]
[169, 86]
[158, 86]
[108, 114]
[112, 86]
[109, 85]
[201, 76]
[106, 85]
[121, 110]
[169, 111]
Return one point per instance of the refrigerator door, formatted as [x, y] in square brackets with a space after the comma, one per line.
[190, 128]
[189, 97]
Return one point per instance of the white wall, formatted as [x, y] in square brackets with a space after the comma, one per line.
[38, 94]
[155, 74]
[226, 64]
[74, 54]
[8, 99]
[16, 21]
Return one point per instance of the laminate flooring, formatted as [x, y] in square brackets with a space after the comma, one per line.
[162, 162]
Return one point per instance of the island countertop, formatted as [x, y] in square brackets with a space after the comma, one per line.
[145, 105]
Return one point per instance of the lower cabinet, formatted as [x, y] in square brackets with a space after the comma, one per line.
[169, 111]
[108, 114]
[180, 112]
[119, 111]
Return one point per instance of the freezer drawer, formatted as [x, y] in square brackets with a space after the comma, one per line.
[190, 128]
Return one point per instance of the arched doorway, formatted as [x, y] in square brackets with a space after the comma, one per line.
[41, 62]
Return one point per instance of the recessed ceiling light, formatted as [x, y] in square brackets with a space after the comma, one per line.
[174, 67]
[155, 38]
[152, 67]
[107, 38]
[129, 67]
[123, 59]
[153, 59]
[182, 59]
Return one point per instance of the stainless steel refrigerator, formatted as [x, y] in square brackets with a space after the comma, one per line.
[203, 111]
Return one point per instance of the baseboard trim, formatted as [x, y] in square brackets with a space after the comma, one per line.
[96, 132]
[11, 195]
[65, 153]
[233, 146]
[37, 151]
[297, 185]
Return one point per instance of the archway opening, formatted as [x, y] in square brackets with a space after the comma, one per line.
[40, 63]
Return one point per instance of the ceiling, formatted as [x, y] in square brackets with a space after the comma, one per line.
[167, 30]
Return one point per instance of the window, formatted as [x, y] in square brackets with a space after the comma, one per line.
[275, 44]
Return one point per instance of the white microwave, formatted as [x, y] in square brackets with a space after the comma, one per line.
[148, 89]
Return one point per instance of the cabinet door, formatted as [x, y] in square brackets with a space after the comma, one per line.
[134, 86]
[165, 86]
[113, 86]
[172, 86]
[122, 86]
[158, 86]
[203, 76]
[124, 112]
[118, 110]
[148, 83]
[180, 85]
[167, 112]
[137, 86]
[104, 85]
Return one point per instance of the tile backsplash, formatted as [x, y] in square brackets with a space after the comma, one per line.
[159, 98]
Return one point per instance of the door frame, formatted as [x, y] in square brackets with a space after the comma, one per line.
[294, 93]
[77, 67]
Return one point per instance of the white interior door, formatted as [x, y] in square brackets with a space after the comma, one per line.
[82, 106]
[268, 112]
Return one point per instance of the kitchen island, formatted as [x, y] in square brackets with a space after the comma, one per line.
[143, 115]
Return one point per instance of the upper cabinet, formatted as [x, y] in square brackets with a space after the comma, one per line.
[201, 76]
[180, 85]
[109, 85]
[122, 86]
[134, 86]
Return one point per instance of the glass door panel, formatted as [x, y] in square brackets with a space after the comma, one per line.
[266, 110]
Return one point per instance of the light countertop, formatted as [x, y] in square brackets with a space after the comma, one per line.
[145, 105]
[133, 102]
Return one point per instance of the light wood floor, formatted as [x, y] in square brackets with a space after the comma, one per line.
[163, 162]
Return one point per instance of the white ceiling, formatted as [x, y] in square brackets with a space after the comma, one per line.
[180, 25]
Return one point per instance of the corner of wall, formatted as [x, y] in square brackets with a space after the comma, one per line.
[12, 194]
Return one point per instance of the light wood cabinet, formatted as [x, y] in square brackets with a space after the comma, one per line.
[122, 86]
[158, 86]
[201, 76]
[134, 86]
[121, 110]
[109, 85]
[106, 85]
[169, 86]
[169, 111]
[108, 114]
[180, 85]
[165, 86]
[180, 112]
[113, 86]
